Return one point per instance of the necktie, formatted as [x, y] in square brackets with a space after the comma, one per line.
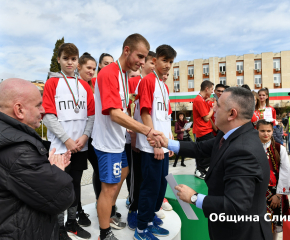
[221, 142]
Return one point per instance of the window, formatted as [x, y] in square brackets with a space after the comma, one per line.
[223, 80]
[277, 78]
[276, 63]
[205, 69]
[205, 79]
[222, 67]
[258, 79]
[190, 70]
[240, 80]
[190, 83]
[176, 85]
[240, 66]
[176, 72]
[257, 64]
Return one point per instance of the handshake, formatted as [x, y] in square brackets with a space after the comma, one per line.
[157, 139]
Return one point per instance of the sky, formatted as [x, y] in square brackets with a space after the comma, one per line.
[195, 29]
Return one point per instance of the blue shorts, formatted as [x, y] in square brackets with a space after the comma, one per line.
[110, 165]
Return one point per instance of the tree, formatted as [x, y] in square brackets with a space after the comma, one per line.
[54, 65]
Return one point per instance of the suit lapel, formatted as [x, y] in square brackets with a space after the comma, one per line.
[218, 153]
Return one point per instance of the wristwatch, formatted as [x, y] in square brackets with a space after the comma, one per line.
[194, 198]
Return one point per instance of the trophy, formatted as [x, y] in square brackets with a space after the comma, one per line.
[132, 97]
[262, 113]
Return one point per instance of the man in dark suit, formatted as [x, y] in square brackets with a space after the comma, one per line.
[238, 175]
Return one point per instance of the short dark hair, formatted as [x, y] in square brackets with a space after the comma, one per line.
[165, 51]
[244, 99]
[220, 85]
[150, 55]
[226, 86]
[68, 48]
[205, 84]
[133, 40]
[246, 86]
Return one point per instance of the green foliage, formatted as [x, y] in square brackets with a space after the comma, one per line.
[54, 65]
[39, 131]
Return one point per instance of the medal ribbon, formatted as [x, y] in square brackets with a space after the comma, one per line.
[163, 94]
[125, 84]
[77, 83]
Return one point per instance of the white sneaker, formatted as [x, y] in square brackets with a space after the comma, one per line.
[160, 214]
[166, 205]
[199, 174]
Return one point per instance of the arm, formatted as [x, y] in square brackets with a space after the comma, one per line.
[242, 173]
[147, 120]
[51, 122]
[118, 116]
[177, 130]
[81, 141]
[208, 117]
[213, 125]
[42, 186]
[284, 172]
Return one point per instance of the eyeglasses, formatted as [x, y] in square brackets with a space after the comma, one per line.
[220, 91]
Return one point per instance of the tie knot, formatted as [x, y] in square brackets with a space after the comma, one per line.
[221, 142]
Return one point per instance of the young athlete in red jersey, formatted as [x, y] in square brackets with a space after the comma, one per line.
[136, 173]
[111, 121]
[69, 115]
[155, 112]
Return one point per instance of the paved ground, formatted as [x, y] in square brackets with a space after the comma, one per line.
[88, 195]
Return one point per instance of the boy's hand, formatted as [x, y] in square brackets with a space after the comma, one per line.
[80, 142]
[171, 153]
[164, 141]
[71, 145]
[158, 153]
[156, 137]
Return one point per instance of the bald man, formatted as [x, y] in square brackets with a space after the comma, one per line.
[33, 187]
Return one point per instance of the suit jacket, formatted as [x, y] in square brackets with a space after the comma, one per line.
[237, 182]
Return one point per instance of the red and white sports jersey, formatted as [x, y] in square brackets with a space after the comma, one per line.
[107, 135]
[150, 97]
[58, 100]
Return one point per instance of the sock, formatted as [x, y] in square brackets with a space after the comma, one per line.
[71, 214]
[113, 213]
[104, 232]
[150, 223]
[60, 218]
[140, 231]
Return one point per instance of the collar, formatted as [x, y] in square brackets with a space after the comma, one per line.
[230, 132]
[266, 145]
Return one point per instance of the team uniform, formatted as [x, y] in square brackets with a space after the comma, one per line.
[108, 136]
[70, 102]
[202, 129]
[135, 171]
[153, 95]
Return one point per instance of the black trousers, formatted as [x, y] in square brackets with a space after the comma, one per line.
[136, 181]
[203, 163]
[129, 159]
[182, 157]
[92, 157]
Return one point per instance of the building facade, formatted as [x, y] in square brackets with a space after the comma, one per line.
[271, 70]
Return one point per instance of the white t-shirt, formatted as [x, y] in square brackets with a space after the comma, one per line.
[58, 100]
[109, 136]
[150, 97]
